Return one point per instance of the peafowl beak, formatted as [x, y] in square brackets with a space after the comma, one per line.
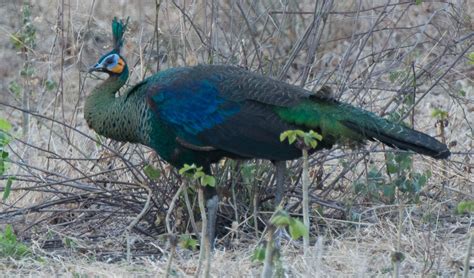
[97, 67]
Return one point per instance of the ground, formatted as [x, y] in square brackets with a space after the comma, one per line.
[70, 195]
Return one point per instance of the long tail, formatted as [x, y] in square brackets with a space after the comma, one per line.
[337, 121]
[372, 127]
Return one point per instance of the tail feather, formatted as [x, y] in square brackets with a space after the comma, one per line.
[398, 136]
[337, 121]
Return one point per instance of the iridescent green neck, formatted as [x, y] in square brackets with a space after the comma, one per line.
[108, 114]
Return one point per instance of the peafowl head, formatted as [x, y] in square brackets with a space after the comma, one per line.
[113, 63]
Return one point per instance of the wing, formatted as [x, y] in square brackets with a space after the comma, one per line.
[213, 106]
[191, 107]
[238, 84]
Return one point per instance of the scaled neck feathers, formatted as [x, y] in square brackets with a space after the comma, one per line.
[110, 115]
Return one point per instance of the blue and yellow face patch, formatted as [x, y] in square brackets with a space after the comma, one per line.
[118, 67]
[112, 63]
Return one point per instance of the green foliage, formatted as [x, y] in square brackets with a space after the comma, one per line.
[397, 75]
[465, 207]
[281, 219]
[439, 114]
[27, 71]
[5, 126]
[9, 245]
[50, 85]
[186, 169]
[5, 139]
[296, 228]
[374, 186]
[399, 166]
[25, 38]
[196, 173]
[405, 179]
[8, 188]
[248, 172]
[187, 242]
[310, 138]
[15, 88]
[69, 243]
[151, 172]
[258, 254]
[398, 162]
[470, 58]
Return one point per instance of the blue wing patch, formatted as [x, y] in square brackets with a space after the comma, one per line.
[192, 107]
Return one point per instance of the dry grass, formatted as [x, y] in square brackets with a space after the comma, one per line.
[75, 194]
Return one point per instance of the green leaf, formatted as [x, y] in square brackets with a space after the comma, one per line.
[248, 172]
[439, 114]
[297, 229]
[186, 168]
[8, 188]
[391, 168]
[393, 76]
[315, 135]
[258, 254]
[299, 133]
[9, 246]
[9, 235]
[5, 125]
[281, 219]
[69, 242]
[27, 71]
[2, 167]
[50, 85]
[465, 207]
[16, 41]
[14, 88]
[470, 57]
[151, 172]
[187, 242]
[309, 141]
[418, 2]
[359, 187]
[389, 191]
[292, 138]
[207, 180]
[198, 175]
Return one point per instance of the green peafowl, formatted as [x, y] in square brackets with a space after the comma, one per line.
[203, 113]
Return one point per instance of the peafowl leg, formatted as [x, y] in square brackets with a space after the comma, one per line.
[212, 202]
[280, 181]
[280, 171]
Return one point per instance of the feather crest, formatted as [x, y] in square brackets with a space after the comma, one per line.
[118, 29]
